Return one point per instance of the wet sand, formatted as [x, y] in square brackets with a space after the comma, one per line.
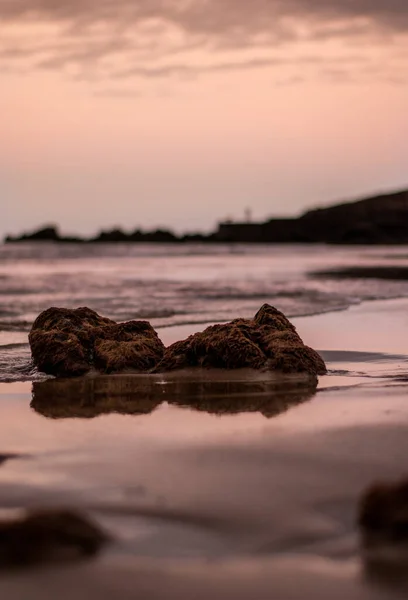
[260, 504]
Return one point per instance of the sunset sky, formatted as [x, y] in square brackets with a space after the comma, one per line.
[180, 113]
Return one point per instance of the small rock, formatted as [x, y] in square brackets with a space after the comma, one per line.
[383, 514]
[48, 536]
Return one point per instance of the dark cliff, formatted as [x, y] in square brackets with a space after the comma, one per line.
[380, 219]
[377, 220]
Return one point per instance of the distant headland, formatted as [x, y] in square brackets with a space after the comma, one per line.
[381, 219]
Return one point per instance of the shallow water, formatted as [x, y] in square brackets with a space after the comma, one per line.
[176, 285]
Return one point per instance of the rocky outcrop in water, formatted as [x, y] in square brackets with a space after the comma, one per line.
[268, 341]
[45, 536]
[72, 342]
[68, 343]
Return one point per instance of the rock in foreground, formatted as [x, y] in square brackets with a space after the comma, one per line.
[68, 343]
[266, 342]
[383, 517]
[72, 342]
[48, 536]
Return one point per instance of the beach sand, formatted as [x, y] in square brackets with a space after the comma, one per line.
[234, 506]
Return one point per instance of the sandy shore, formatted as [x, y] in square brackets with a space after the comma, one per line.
[233, 506]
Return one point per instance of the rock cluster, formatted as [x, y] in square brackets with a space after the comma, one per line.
[72, 342]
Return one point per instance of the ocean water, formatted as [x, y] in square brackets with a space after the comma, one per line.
[176, 285]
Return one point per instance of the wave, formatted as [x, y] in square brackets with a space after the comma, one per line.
[147, 314]
[12, 346]
[16, 325]
[16, 365]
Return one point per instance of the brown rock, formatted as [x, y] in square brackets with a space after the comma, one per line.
[48, 536]
[383, 515]
[268, 342]
[134, 345]
[383, 522]
[68, 342]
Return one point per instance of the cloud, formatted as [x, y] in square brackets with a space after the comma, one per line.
[117, 93]
[187, 71]
[167, 38]
[208, 17]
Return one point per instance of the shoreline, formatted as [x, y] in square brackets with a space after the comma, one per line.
[362, 345]
[328, 332]
[243, 503]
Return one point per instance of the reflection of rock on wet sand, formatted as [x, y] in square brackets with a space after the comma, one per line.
[225, 395]
[89, 397]
[215, 392]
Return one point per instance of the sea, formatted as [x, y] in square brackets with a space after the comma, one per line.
[189, 285]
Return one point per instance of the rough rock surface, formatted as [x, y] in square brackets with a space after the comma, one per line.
[68, 342]
[71, 342]
[48, 536]
[268, 341]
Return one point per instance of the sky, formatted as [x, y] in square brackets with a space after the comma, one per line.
[182, 113]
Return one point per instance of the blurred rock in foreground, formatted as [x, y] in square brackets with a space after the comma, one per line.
[45, 536]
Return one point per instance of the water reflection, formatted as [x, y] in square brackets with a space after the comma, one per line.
[89, 397]
[270, 398]
[220, 393]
